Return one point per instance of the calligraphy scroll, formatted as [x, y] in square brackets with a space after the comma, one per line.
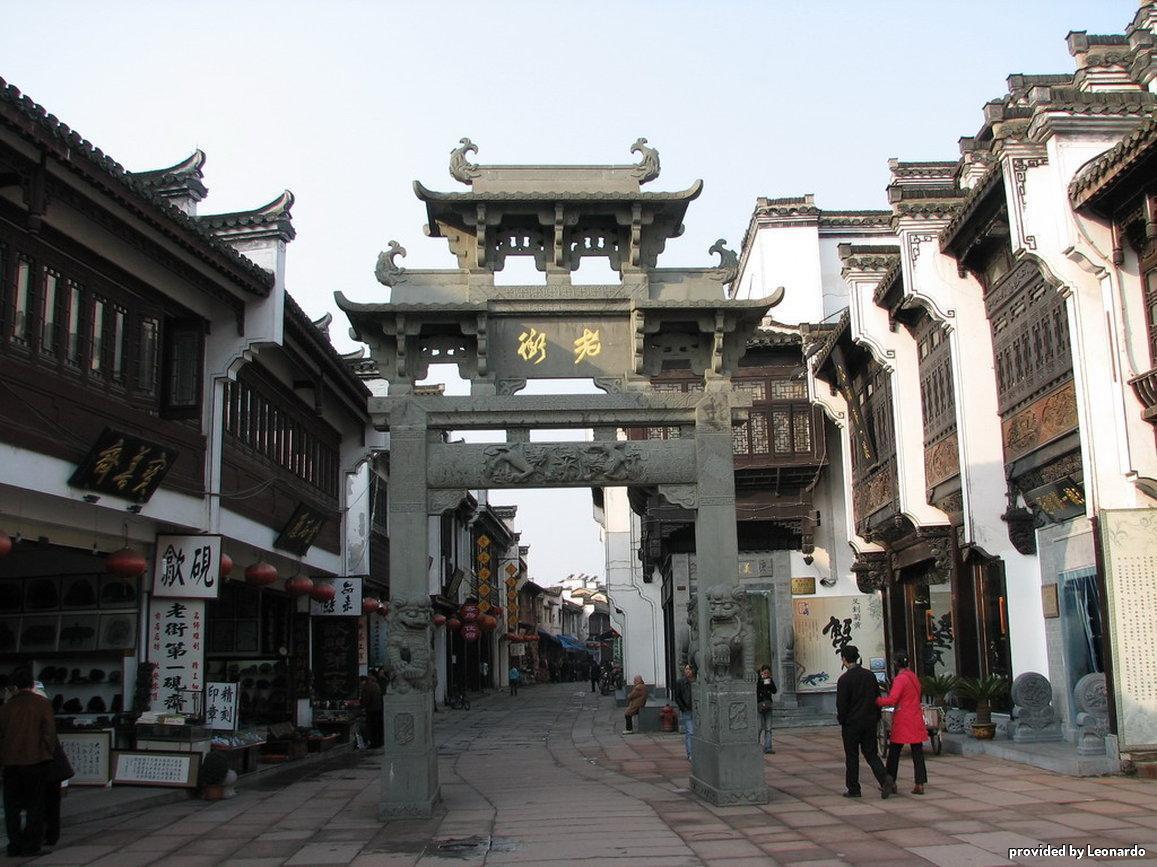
[88, 753]
[176, 629]
[823, 626]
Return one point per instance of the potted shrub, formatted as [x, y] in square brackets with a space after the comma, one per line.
[216, 777]
[937, 687]
[984, 691]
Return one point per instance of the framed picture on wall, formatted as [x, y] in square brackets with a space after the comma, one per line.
[78, 591]
[78, 631]
[38, 634]
[11, 596]
[118, 632]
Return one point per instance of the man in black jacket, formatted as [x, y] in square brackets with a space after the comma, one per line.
[858, 715]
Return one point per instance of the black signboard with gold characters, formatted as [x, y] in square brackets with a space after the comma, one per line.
[302, 528]
[123, 466]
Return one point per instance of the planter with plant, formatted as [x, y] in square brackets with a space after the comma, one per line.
[937, 687]
[984, 691]
[216, 777]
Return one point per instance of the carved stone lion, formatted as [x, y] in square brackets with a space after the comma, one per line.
[408, 647]
[728, 632]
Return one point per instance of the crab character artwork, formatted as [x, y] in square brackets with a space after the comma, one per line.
[408, 648]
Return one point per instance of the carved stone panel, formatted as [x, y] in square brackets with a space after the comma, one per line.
[565, 464]
[941, 460]
[1040, 422]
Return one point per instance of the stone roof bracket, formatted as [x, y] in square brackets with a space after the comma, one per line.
[648, 167]
[388, 271]
[636, 233]
[728, 268]
[717, 362]
[461, 169]
[871, 569]
[807, 529]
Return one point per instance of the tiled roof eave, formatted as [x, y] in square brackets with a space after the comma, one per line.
[990, 184]
[1104, 171]
[81, 157]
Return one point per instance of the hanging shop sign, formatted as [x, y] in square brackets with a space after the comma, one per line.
[125, 466]
[825, 625]
[187, 567]
[346, 601]
[176, 646]
[302, 528]
[1060, 501]
[221, 706]
[335, 658]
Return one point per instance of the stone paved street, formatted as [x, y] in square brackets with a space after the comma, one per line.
[547, 778]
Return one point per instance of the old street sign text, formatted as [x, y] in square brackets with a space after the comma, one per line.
[221, 706]
[560, 348]
[123, 466]
[187, 567]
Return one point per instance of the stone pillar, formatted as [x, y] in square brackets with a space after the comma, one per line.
[727, 765]
[410, 761]
[784, 614]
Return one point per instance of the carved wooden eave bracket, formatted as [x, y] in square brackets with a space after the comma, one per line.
[871, 570]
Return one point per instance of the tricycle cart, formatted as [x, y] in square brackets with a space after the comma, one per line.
[934, 717]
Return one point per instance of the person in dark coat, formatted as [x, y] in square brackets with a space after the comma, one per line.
[636, 699]
[593, 671]
[907, 723]
[684, 700]
[27, 744]
[765, 688]
[371, 700]
[859, 716]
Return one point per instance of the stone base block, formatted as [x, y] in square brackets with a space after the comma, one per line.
[409, 760]
[727, 764]
[1024, 734]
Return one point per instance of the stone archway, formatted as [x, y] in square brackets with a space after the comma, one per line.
[619, 335]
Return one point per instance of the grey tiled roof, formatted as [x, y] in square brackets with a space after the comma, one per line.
[32, 121]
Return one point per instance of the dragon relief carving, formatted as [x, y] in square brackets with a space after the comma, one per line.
[728, 268]
[389, 272]
[729, 633]
[461, 169]
[648, 168]
[408, 658]
[513, 463]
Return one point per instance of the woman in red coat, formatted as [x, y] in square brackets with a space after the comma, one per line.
[907, 722]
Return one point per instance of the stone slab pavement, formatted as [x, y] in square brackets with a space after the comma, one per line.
[546, 778]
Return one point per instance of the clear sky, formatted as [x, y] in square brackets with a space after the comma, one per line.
[346, 103]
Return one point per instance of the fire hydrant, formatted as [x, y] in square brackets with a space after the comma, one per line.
[668, 719]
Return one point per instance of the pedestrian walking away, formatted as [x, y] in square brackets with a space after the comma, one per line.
[59, 773]
[907, 723]
[685, 702]
[515, 677]
[636, 699]
[27, 745]
[594, 675]
[859, 716]
[765, 688]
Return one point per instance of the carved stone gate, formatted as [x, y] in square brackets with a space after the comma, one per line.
[618, 335]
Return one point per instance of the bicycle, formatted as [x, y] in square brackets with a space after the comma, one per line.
[458, 701]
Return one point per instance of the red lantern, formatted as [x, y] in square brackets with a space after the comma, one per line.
[126, 562]
[261, 574]
[370, 605]
[439, 619]
[5, 544]
[383, 608]
[470, 632]
[454, 623]
[512, 638]
[323, 591]
[226, 564]
[469, 612]
[299, 585]
[487, 622]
